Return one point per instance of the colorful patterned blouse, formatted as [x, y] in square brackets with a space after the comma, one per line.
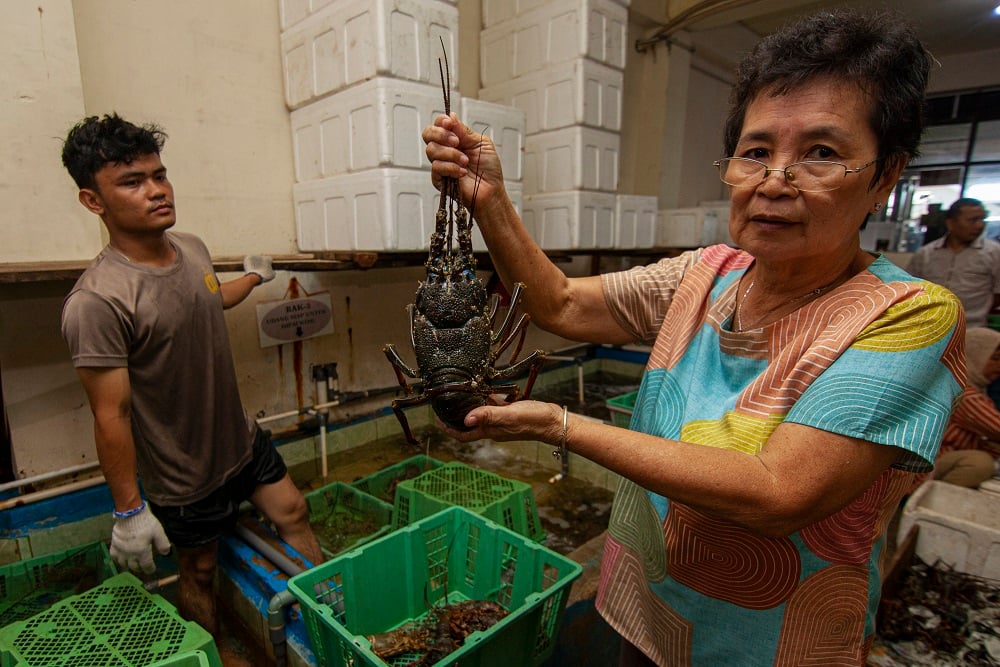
[876, 358]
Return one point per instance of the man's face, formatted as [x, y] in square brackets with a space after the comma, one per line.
[991, 371]
[967, 224]
[134, 198]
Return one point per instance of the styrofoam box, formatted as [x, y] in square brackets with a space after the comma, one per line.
[573, 158]
[635, 221]
[378, 209]
[557, 31]
[293, 11]
[505, 125]
[495, 11]
[570, 220]
[372, 124]
[686, 227]
[721, 209]
[576, 92]
[516, 193]
[352, 40]
[958, 526]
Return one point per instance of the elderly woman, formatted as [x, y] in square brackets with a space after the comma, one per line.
[795, 384]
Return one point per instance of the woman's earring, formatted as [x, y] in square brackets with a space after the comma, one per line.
[878, 206]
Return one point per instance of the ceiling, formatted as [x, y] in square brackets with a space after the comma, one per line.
[946, 26]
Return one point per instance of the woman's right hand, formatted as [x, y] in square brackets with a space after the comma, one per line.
[455, 151]
[520, 420]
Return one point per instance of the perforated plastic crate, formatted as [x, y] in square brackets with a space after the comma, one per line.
[382, 484]
[452, 556]
[507, 502]
[31, 586]
[621, 408]
[116, 624]
[188, 659]
[344, 517]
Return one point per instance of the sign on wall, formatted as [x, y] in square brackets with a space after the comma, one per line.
[289, 320]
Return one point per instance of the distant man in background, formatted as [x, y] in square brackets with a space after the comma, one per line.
[964, 261]
[148, 337]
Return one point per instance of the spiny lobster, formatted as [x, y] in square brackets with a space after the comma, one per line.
[451, 323]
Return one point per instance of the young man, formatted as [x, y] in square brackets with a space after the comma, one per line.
[964, 261]
[148, 337]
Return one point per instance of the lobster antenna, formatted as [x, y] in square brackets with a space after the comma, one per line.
[479, 179]
[445, 78]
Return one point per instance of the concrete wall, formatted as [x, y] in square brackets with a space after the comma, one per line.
[42, 97]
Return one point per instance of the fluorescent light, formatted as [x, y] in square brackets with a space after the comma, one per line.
[996, 10]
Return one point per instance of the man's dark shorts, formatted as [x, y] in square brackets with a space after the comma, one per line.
[205, 520]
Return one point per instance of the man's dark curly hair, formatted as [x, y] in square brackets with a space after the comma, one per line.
[95, 142]
[878, 51]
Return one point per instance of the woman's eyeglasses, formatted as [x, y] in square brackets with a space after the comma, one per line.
[805, 176]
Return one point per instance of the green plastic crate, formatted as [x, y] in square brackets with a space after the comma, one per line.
[344, 517]
[452, 556]
[31, 586]
[621, 408]
[382, 484]
[187, 659]
[508, 502]
[116, 624]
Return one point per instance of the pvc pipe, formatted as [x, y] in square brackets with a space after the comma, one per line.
[276, 625]
[156, 584]
[283, 562]
[303, 411]
[29, 498]
[322, 445]
[25, 481]
[276, 606]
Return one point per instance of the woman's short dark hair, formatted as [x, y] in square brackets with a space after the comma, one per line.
[879, 51]
[95, 142]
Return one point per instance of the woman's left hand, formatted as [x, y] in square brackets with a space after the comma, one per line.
[520, 420]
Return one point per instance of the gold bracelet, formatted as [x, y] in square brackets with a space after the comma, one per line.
[561, 452]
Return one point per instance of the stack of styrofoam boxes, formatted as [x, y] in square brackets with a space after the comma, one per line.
[362, 80]
[721, 209]
[561, 62]
[693, 227]
[505, 125]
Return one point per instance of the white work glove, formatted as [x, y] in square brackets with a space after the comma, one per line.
[259, 265]
[133, 539]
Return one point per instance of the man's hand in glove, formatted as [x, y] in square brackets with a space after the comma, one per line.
[133, 538]
[259, 265]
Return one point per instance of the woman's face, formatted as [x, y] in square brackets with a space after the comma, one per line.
[824, 120]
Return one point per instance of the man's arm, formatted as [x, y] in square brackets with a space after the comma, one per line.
[258, 271]
[234, 291]
[136, 531]
[110, 396]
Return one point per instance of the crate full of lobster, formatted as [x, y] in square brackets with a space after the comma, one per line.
[452, 588]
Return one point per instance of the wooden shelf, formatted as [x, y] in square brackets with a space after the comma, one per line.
[33, 272]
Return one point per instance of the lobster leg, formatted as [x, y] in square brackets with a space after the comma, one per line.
[515, 299]
[397, 408]
[400, 367]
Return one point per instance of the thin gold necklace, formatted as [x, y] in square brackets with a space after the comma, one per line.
[813, 293]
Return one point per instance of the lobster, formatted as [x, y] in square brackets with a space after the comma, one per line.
[452, 323]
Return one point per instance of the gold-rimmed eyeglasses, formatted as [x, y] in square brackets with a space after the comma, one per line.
[805, 176]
